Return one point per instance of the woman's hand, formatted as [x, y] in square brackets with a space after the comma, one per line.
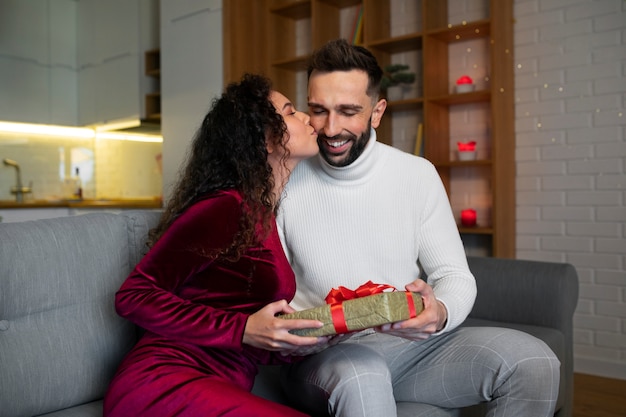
[266, 331]
[432, 319]
[323, 343]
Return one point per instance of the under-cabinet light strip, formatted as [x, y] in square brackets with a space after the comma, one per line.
[47, 130]
[135, 137]
[74, 132]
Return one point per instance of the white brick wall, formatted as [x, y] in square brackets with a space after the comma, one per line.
[570, 63]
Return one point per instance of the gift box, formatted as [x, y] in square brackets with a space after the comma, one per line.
[368, 306]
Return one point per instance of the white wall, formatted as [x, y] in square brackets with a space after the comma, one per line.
[191, 74]
[570, 58]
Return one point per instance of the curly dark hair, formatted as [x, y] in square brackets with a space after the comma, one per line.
[339, 55]
[229, 152]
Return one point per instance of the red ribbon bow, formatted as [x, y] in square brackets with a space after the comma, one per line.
[337, 296]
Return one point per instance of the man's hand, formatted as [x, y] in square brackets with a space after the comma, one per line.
[432, 319]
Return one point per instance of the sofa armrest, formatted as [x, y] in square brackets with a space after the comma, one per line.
[526, 292]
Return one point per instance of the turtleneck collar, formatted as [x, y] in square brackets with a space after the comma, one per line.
[358, 171]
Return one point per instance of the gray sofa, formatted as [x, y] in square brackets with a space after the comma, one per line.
[61, 340]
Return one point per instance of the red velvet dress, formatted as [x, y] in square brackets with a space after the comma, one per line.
[191, 360]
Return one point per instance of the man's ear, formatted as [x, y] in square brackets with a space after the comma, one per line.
[378, 111]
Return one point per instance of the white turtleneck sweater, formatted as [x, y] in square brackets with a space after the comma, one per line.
[373, 220]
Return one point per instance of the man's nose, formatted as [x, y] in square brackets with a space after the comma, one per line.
[331, 126]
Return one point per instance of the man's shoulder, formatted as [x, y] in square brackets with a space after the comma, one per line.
[403, 160]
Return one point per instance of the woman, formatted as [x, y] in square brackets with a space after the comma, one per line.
[215, 276]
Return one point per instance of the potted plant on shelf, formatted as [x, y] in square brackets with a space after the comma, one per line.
[395, 81]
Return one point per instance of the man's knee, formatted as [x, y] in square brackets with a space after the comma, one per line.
[339, 363]
[538, 370]
[506, 359]
[527, 366]
[338, 374]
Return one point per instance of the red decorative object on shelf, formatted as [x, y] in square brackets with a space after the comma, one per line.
[467, 150]
[464, 84]
[466, 146]
[465, 79]
[468, 217]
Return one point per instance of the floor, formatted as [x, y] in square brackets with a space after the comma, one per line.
[596, 396]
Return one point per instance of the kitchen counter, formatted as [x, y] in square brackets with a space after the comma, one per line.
[122, 203]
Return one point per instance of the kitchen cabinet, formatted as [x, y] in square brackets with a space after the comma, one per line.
[112, 38]
[440, 41]
[152, 63]
[73, 63]
[38, 62]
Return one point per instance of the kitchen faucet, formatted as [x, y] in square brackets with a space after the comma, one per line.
[18, 189]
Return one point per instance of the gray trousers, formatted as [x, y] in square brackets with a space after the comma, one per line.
[516, 373]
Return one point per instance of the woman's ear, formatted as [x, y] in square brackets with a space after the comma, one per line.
[269, 146]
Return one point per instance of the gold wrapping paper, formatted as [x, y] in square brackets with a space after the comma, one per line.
[360, 313]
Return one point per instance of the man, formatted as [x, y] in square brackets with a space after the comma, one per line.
[365, 211]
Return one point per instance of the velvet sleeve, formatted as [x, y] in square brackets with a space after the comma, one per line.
[169, 292]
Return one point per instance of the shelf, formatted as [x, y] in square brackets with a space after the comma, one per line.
[342, 3]
[476, 163]
[459, 33]
[297, 63]
[153, 103]
[405, 104]
[462, 98]
[398, 44]
[296, 10]
[475, 230]
[420, 36]
[301, 9]
[153, 99]
[153, 62]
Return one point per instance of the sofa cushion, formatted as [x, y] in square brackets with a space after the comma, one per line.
[139, 224]
[60, 338]
[92, 409]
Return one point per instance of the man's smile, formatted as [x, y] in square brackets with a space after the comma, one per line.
[334, 145]
[337, 144]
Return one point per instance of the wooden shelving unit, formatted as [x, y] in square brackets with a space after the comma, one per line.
[428, 44]
[153, 100]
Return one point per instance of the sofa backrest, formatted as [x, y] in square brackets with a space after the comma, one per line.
[60, 338]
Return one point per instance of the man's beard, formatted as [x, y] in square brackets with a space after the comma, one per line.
[358, 146]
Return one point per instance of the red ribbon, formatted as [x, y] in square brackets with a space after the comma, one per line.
[411, 304]
[337, 296]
